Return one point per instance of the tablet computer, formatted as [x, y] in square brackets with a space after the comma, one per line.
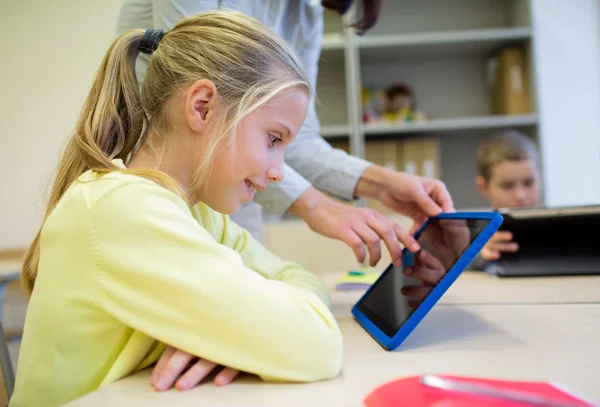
[392, 307]
[552, 242]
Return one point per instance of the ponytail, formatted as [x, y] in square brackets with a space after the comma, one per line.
[110, 126]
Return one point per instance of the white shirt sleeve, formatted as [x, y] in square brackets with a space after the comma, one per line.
[328, 169]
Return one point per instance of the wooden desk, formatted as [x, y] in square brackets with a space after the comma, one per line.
[474, 287]
[528, 342]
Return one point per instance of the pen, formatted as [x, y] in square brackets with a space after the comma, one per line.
[488, 391]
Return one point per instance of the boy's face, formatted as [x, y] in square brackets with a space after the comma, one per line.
[512, 184]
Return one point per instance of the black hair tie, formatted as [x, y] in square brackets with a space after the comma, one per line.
[150, 40]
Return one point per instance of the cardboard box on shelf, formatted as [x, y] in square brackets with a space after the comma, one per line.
[384, 153]
[342, 144]
[418, 156]
[507, 81]
[430, 158]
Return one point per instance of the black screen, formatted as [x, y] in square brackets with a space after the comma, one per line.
[395, 295]
[554, 243]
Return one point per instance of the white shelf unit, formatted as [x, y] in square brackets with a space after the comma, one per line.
[439, 49]
[478, 37]
[450, 124]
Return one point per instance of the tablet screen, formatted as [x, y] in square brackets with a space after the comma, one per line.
[395, 296]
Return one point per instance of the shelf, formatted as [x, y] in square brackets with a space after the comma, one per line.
[444, 37]
[332, 42]
[450, 124]
[335, 131]
[433, 43]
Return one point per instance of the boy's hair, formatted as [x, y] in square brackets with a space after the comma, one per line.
[246, 61]
[505, 145]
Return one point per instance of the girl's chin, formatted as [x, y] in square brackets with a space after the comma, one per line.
[226, 208]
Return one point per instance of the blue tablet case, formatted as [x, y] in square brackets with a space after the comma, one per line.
[391, 342]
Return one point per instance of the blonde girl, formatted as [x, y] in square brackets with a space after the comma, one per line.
[135, 253]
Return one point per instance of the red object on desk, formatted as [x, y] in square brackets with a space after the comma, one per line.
[412, 392]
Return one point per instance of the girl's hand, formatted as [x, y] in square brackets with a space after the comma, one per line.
[186, 371]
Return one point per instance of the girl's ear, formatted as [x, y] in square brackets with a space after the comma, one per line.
[201, 104]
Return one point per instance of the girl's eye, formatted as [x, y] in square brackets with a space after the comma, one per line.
[274, 139]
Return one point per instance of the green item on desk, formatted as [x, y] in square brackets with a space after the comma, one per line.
[356, 273]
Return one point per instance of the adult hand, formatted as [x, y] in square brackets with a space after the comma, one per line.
[410, 195]
[447, 238]
[356, 227]
[429, 270]
[443, 242]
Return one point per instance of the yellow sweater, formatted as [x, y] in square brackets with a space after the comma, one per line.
[126, 267]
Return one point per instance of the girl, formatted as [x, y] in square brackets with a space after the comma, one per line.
[125, 263]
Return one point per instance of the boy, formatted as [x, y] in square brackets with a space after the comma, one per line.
[507, 163]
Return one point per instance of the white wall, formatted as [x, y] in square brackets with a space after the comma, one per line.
[567, 54]
[50, 52]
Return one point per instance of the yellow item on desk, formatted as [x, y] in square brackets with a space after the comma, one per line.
[357, 280]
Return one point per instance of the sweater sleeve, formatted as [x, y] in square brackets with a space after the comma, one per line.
[255, 256]
[160, 272]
